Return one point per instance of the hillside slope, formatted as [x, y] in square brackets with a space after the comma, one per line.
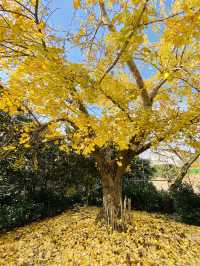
[72, 239]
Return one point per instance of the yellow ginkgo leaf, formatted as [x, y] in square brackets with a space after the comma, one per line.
[77, 3]
[166, 75]
[27, 145]
[41, 26]
[119, 163]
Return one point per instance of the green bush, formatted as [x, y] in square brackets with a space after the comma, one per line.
[182, 201]
[144, 196]
[18, 214]
[166, 171]
[25, 211]
[187, 203]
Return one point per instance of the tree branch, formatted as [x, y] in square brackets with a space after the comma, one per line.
[131, 64]
[162, 19]
[32, 114]
[154, 91]
[36, 12]
[25, 7]
[37, 21]
[139, 80]
[44, 126]
[113, 100]
[13, 12]
[192, 86]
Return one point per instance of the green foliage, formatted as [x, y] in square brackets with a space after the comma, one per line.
[38, 189]
[18, 214]
[187, 204]
[144, 196]
[143, 193]
[167, 171]
[183, 201]
[61, 180]
[22, 212]
[139, 169]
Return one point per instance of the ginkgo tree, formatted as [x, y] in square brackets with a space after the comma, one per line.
[104, 106]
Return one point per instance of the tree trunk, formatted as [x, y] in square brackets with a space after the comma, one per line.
[113, 211]
[112, 198]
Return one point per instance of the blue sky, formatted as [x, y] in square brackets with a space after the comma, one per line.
[61, 20]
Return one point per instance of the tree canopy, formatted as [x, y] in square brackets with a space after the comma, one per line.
[107, 99]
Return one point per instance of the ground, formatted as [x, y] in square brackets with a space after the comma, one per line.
[72, 239]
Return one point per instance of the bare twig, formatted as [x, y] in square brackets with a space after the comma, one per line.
[36, 12]
[25, 7]
[162, 19]
[191, 85]
[13, 12]
[93, 37]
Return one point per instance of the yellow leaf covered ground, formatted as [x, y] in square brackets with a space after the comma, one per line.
[72, 239]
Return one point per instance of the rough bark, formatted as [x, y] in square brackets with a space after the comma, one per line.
[113, 211]
[112, 193]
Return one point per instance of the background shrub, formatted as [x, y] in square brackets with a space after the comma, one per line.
[187, 203]
[145, 197]
[63, 180]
